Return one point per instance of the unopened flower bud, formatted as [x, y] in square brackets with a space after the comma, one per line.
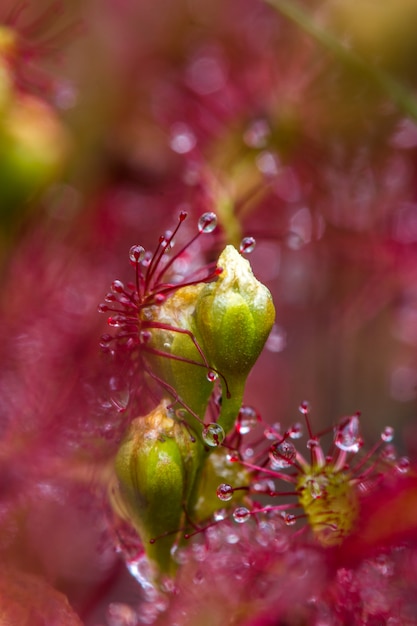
[155, 468]
[34, 146]
[234, 317]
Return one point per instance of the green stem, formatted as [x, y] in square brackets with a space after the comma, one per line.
[231, 406]
[400, 95]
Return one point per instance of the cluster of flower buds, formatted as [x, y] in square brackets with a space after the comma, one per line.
[184, 336]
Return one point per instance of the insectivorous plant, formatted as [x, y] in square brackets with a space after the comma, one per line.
[327, 487]
[182, 336]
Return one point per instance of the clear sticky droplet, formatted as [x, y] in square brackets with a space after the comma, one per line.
[213, 435]
[282, 455]
[136, 253]
[225, 492]
[207, 222]
[403, 465]
[312, 443]
[247, 419]
[247, 245]
[183, 140]
[347, 435]
[241, 514]
[304, 408]
[212, 376]
[117, 286]
[315, 488]
[388, 453]
[116, 321]
[273, 432]
[296, 431]
[289, 519]
[387, 434]
[233, 457]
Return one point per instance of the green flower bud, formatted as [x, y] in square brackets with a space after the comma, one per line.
[34, 146]
[233, 317]
[156, 471]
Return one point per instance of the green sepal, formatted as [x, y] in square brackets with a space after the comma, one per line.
[156, 468]
[233, 317]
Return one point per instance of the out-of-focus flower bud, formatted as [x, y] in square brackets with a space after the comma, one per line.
[34, 146]
[6, 86]
[156, 470]
[233, 317]
[381, 31]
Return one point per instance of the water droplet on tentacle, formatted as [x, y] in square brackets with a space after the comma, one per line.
[403, 465]
[207, 222]
[241, 515]
[212, 376]
[225, 492]
[247, 419]
[347, 437]
[296, 431]
[247, 245]
[387, 434]
[282, 455]
[213, 434]
[136, 253]
[304, 408]
[117, 286]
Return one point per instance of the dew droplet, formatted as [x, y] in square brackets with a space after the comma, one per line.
[289, 519]
[304, 408]
[213, 434]
[116, 321]
[315, 488]
[273, 432]
[282, 455]
[233, 457]
[256, 134]
[102, 308]
[277, 339]
[183, 140]
[207, 222]
[241, 514]
[136, 253]
[312, 443]
[160, 298]
[247, 245]
[387, 434]
[212, 376]
[224, 492]
[296, 431]
[389, 453]
[145, 336]
[247, 419]
[403, 465]
[347, 437]
[117, 286]
[219, 515]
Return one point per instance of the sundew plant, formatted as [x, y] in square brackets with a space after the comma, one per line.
[208, 379]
